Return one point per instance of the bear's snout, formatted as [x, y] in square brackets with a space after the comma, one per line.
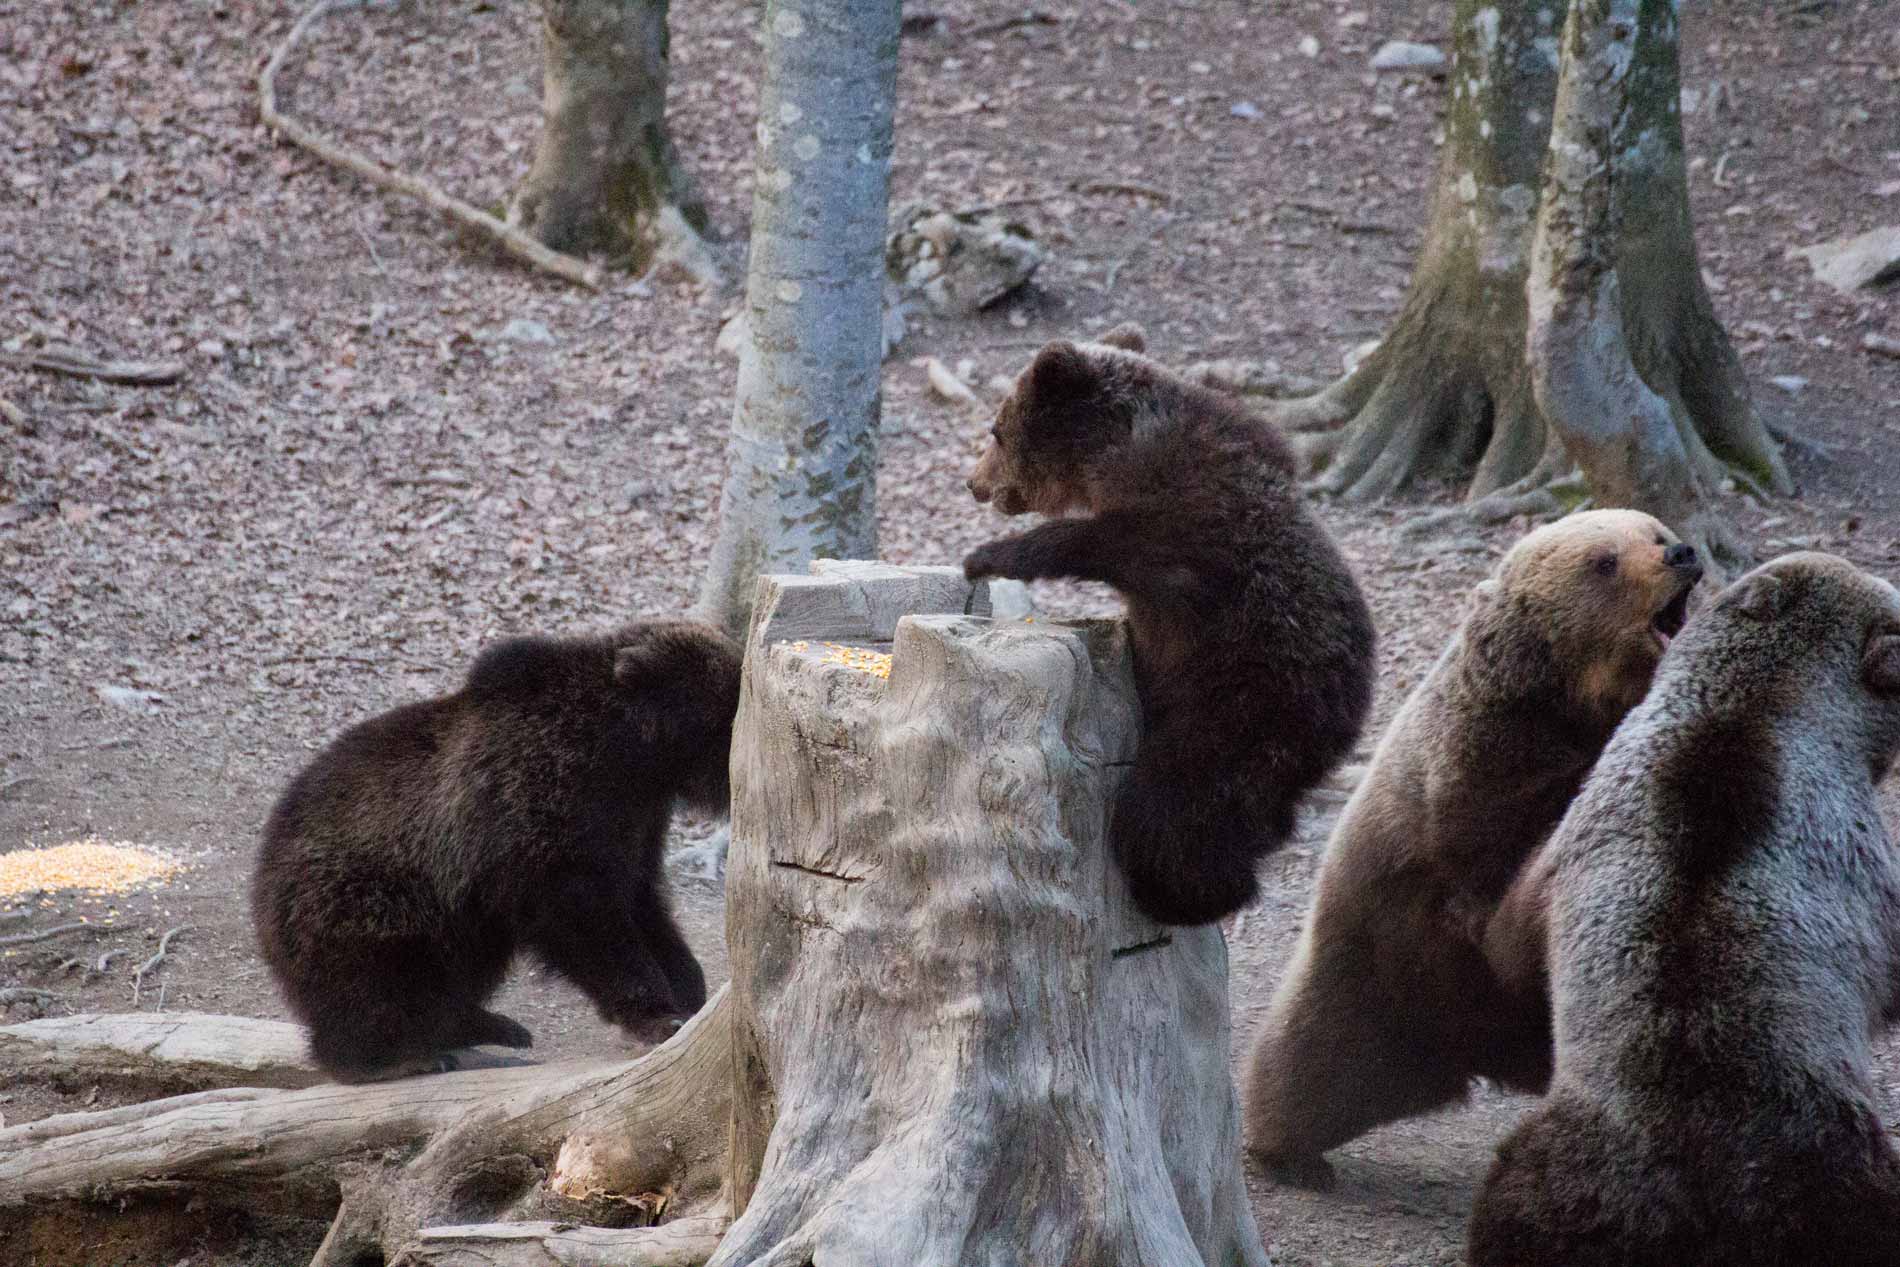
[978, 489]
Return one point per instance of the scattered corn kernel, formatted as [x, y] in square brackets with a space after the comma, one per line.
[876, 663]
[90, 865]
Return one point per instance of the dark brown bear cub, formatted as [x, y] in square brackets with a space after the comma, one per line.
[404, 867]
[1253, 645]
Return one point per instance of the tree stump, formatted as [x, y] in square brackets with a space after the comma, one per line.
[955, 1038]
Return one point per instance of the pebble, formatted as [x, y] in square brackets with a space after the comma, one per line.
[1793, 384]
[525, 330]
[1404, 55]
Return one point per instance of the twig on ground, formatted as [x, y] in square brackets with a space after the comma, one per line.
[510, 238]
[1161, 196]
[1033, 17]
[105, 960]
[10, 784]
[76, 364]
[164, 944]
[21, 939]
[12, 412]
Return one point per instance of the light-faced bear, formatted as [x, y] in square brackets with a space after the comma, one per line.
[1389, 1008]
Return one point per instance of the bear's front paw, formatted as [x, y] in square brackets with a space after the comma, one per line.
[986, 560]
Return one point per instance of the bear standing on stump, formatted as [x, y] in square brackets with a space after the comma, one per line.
[1389, 1007]
[1721, 907]
[404, 866]
[1253, 645]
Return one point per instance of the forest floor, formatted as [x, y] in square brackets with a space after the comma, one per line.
[364, 475]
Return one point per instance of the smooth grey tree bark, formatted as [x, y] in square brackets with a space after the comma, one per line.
[606, 177]
[1450, 390]
[801, 475]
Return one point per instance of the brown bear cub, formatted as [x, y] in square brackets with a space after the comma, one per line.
[403, 867]
[1389, 1007]
[1253, 645]
[1721, 907]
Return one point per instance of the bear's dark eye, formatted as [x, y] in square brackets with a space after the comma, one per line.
[1605, 565]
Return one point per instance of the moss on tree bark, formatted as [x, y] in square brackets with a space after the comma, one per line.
[606, 167]
[1450, 390]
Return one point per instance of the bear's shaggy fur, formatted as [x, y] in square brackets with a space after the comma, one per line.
[1389, 1007]
[1253, 645]
[1721, 907]
[407, 863]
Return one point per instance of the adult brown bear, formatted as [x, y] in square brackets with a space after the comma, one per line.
[1253, 645]
[1389, 1007]
[1721, 912]
[405, 866]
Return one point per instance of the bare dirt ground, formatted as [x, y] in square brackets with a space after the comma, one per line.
[361, 479]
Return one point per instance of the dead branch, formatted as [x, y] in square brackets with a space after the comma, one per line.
[76, 364]
[105, 960]
[44, 934]
[183, 1051]
[686, 1242]
[506, 235]
[164, 944]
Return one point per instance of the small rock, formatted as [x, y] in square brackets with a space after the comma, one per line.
[1880, 345]
[1249, 378]
[1010, 600]
[1793, 384]
[525, 330]
[947, 385]
[1358, 17]
[1888, 190]
[733, 334]
[1848, 264]
[1403, 55]
[959, 261]
[1309, 46]
[130, 698]
[1244, 110]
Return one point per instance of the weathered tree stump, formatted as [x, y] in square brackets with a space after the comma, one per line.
[950, 1037]
[955, 1038]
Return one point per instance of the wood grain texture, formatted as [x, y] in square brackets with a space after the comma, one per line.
[955, 1038]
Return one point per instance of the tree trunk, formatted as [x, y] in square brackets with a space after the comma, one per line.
[606, 177]
[957, 1040]
[951, 1036]
[1450, 388]
[801, 476]
[1662, 442]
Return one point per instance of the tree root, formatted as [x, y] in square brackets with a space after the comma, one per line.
[511, 239]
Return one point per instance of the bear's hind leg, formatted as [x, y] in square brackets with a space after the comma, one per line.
[1185, 844]
[1326, 1068]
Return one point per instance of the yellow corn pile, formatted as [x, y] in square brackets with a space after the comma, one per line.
[876, 663]
[90, 865]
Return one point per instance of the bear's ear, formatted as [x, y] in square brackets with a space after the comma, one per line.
[1880, 663]
[1761, 597]
[1128, 337]
[1061, 369]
